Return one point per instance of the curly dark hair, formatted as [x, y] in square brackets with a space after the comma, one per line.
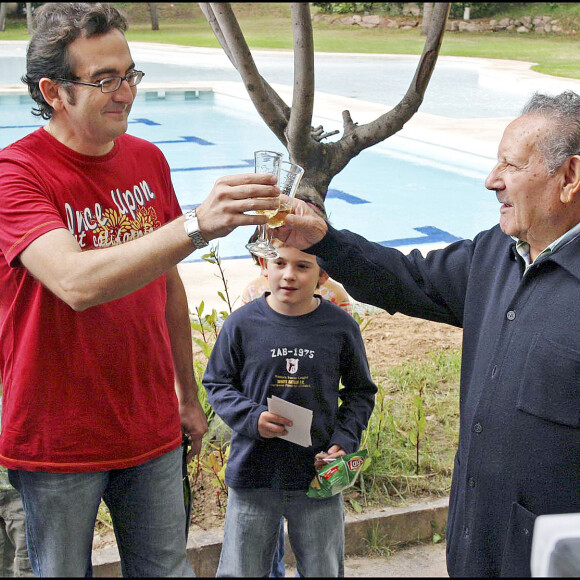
[56, 26]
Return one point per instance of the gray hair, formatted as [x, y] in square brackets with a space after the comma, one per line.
[563, 137]
[56, 26]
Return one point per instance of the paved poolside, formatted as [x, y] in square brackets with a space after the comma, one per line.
[480, 136]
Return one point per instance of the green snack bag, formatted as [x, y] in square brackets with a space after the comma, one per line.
[337, 476]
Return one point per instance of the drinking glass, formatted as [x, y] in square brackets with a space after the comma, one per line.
[288, 182]
[265, 162]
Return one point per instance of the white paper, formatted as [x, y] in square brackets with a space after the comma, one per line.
[301, 418]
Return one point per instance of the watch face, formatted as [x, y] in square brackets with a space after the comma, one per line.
[192, 226]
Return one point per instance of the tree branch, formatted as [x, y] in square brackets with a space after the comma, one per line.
[210, 17]
[268, 103]
[359, 137]
[299, 128]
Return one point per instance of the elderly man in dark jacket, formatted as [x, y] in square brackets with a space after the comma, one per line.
[515, 290]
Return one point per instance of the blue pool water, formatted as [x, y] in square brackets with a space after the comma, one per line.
[400, 192]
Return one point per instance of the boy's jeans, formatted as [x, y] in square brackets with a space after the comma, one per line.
[315, 530]
[146, 505]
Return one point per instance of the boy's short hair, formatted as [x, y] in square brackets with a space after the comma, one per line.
[280, 244]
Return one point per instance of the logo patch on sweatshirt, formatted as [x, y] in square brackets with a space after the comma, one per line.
[292, 365]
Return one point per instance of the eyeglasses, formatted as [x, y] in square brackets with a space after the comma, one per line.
[111, 84]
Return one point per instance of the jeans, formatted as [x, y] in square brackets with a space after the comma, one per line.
[146, 505]
[13, 553]
[252, 529]
[278, 567]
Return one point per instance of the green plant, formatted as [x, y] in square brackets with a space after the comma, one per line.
[478, 9]
[104, 521]
[483, 9]
[361, 321]
[378, 542]
[390, 471]
[215, 449]
[438, 534]
[208, 325]
[417, 434]
[351, 7]
[213, 460]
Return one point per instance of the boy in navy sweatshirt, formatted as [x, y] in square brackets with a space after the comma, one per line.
[294, 345]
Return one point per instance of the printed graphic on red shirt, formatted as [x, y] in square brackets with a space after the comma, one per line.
[101, 228]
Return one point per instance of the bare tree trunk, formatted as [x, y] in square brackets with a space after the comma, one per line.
[29, 17]
[3, 10]
[293, 125]
[154, 18]
[427, 12]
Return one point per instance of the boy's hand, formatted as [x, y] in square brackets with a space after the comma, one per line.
[271, 425]
[334, 452]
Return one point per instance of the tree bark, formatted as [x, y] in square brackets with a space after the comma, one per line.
[293, 125]
[3, 10]
[154, 18]
[427, 12]
[29, 25]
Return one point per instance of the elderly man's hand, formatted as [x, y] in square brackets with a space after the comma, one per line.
[303, 227]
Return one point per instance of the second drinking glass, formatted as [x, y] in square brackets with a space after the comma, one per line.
[289, 175]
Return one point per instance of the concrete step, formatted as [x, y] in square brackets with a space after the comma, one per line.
[398, 525]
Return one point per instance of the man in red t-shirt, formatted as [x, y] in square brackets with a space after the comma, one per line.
[95, 341]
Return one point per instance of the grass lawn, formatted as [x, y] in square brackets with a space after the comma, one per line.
[268, 26]
[555, 55]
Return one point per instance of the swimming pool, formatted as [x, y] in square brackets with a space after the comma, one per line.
[457, 89]
[400, 192]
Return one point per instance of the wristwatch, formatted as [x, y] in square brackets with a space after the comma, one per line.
[192, 230]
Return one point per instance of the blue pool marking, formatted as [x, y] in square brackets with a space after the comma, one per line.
[144, 122]
[245, 164]
[339, 194]
[190, 139]
[432, 236]
[20, 126]
[132, 121]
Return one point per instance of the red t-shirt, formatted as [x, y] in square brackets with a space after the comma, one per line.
[92, 390]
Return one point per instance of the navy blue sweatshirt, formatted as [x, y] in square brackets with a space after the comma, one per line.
[519, 438]
[310, 360]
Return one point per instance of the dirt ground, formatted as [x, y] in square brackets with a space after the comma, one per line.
[390, 340]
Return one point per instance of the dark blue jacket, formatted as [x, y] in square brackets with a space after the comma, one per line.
[519, 438]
